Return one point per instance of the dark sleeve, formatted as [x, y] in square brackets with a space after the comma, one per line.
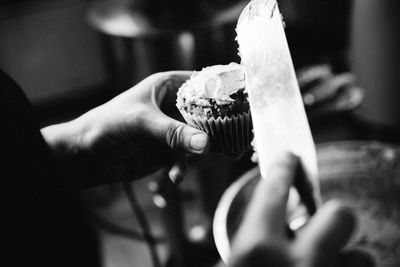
[43, 220]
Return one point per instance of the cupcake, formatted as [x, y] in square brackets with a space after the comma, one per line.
[214, 100]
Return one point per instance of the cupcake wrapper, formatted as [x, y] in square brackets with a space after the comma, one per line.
[228, 135]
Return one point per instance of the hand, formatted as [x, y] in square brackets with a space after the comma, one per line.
[130, 133]
[262, 238]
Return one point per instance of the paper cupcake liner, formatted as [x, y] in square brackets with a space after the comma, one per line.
[228, 135]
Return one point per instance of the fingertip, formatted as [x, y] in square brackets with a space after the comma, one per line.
[199, 142]
[177, 173]
[185, 138]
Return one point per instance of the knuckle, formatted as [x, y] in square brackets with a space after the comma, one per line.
[174, 133]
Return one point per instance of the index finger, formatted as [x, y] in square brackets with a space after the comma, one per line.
[265, 218]
[167, 84]
[164, 91]
[271, 195]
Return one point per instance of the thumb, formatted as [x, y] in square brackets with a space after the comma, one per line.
[177, 135]
[326, 233]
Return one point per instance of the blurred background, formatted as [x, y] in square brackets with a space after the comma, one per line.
[65, 50]
[72, 55]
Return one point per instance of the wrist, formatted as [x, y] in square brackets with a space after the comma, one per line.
[66, 142]
[71, 143]
[63, 139]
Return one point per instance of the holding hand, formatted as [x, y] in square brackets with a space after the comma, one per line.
[262, 238]
[129, 134]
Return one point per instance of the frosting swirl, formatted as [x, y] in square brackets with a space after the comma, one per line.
[216, 82]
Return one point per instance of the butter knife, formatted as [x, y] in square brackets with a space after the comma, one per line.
[279, 118]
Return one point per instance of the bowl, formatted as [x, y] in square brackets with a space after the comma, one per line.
[365, 175]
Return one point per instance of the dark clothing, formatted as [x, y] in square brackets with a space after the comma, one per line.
[43, 223]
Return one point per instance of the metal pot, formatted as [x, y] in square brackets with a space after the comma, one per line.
[143, 37]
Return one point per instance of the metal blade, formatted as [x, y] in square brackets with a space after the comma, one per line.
[279, 119]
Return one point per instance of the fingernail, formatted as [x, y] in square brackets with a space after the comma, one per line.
[198, 142]
[175, 174]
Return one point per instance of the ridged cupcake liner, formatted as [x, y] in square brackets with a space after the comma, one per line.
[228, 135]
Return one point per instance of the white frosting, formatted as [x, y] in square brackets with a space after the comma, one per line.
[216, 82]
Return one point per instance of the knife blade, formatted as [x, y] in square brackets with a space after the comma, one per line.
[279, 118]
